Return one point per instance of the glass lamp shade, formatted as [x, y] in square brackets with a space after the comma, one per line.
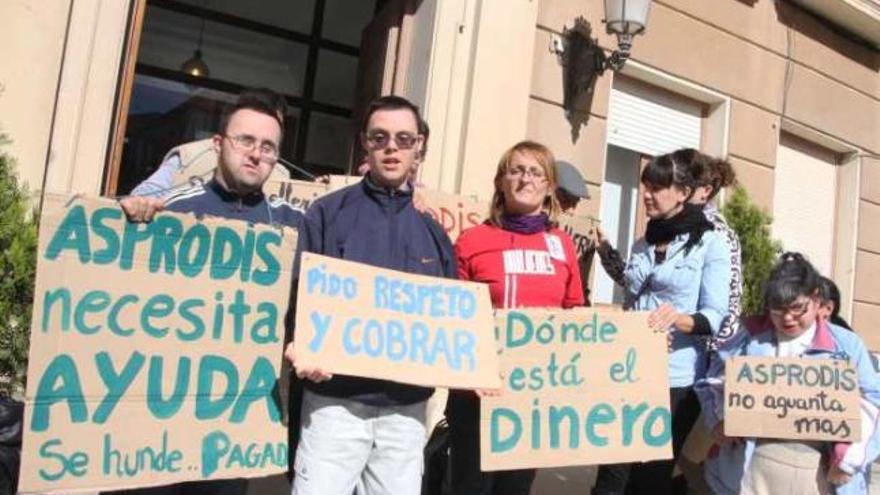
[195, 66]
[626, 16]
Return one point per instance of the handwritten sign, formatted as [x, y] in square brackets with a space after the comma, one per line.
[339, 181]
[155, 350]
[794, 398]
[580, 229]
[582, 386]
[299, 193]
[454, 213]
[360, 320]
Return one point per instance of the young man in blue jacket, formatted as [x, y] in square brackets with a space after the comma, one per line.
[359, 431]
[247, 148]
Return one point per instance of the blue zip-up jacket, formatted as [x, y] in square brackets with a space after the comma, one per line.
[727, 464]
[379, 227]
[212, 199]
[696, 282]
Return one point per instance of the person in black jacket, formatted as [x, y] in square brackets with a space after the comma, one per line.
[247, 148]
[359, 431]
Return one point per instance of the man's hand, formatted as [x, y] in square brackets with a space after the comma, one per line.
[599, 239]
[314, 374]
[837, 476]
[141, 208]
[420, 203]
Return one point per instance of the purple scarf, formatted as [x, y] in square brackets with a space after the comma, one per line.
[525, 224]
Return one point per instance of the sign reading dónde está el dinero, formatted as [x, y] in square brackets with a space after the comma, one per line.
[155, 350]
[581, 386]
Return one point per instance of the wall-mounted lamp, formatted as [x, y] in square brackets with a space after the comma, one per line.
[625, 19]
[583, 60]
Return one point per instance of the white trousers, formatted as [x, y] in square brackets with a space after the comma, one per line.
[344, 443]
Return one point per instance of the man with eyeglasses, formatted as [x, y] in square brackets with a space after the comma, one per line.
[357, 431]
[197, 160]
[247, 149]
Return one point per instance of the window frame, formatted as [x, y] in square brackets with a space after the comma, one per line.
[305, 104]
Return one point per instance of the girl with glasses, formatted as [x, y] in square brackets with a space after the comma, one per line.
[791, 327]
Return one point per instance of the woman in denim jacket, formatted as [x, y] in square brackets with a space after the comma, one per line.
[681, 272]
[791, 328]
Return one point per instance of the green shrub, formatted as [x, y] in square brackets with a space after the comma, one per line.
[759, 250]
[18, 248]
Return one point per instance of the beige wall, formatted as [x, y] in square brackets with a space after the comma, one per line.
[61, 137]
[497, 101]
[866, 294]
[29, 78]
[778, 66]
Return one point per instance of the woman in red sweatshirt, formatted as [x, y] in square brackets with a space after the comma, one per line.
[527, 262]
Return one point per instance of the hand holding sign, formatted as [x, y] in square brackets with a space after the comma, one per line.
[313, 373]
[141, 208]
[837, 476]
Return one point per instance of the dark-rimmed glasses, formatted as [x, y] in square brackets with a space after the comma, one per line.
[379, 140]
[795, 309]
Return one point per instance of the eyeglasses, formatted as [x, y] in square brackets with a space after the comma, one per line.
[247, 143]
[518, 172]
[380, 140]
[796, 310]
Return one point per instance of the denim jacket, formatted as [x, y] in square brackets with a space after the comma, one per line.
[696, 281]
[727, 464]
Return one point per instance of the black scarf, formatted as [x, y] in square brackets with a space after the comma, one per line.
[690, 220]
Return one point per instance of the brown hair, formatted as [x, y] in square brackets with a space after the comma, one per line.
[715, 172]
[260, 100]
[545, 158]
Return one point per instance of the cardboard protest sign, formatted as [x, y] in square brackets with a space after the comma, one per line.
[454, 213]
[793, 398]
[155, 350]
[340, 181]
[356, 319]
[581, 386]
[579, 228]
[299, 193]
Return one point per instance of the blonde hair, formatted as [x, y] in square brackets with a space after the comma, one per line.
[545, 158]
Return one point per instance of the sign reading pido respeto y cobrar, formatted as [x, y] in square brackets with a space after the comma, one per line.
[356, 319]
[155, 350]
[581, 386]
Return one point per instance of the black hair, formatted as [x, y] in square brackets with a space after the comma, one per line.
[792, 276]
[392, 102]
[829, 292]
[425, 131]
[261, 100]
[673, 169]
